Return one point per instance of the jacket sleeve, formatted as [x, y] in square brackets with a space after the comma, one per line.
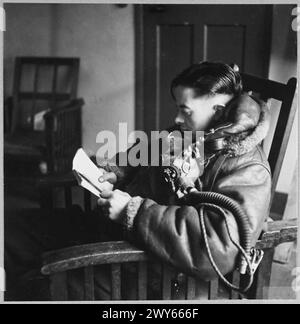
[173, 233]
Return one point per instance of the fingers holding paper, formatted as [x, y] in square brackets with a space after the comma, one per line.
[113, 203]
[104, 198]
[108, 176]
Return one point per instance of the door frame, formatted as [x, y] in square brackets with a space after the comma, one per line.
[139, 65]
[139, 61]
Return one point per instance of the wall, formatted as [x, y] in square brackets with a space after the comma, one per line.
[28, 32]
[102, 35]
[283, 65]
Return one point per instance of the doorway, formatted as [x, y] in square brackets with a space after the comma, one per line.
[169, 38]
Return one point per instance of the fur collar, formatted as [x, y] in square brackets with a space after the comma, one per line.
[241, 143]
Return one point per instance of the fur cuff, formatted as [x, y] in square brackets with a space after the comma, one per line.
[131, 211]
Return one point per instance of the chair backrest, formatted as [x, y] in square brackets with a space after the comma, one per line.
[39, 83]
[268, 89]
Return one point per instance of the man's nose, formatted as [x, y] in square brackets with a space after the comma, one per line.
[179, 119]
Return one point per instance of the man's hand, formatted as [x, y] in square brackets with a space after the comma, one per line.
[113, 203]
[109, 177]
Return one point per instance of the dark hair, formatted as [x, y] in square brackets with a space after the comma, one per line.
[209, 78]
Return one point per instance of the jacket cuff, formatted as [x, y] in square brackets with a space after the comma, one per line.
[131, 211]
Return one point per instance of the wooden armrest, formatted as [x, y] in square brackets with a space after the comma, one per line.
[278, 232]
[91, 254]
[120, 251]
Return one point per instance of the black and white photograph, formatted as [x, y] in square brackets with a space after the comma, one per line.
[150, 153]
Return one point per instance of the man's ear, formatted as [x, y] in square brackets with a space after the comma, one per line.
[218, 107]
[219, 113]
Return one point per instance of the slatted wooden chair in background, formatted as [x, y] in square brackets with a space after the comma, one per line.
[45, 85]
[59, 264]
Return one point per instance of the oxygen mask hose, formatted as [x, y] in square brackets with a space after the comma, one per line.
[216, 201]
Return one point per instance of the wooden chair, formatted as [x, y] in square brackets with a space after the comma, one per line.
[58, 264]
[48, 86]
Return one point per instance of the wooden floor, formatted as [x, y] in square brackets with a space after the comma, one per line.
[281, 279]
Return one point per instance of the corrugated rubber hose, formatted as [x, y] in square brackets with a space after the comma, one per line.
[216, 201]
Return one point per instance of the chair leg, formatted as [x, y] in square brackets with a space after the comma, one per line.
[89, 285]
[58, 286]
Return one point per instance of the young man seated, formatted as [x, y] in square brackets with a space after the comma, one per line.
[209, 98]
